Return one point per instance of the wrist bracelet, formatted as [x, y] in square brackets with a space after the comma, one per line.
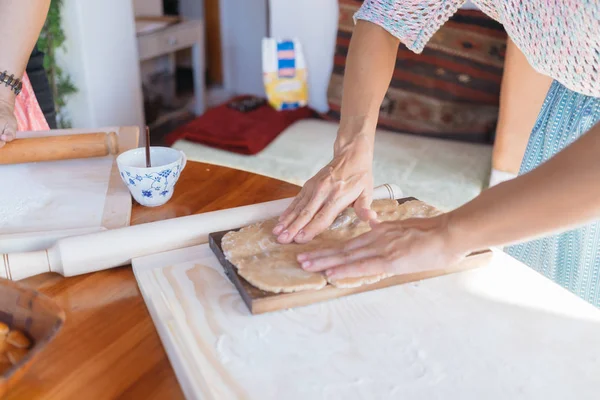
[15, 83]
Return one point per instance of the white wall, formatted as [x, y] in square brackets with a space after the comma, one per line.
[191, 9]
[243, 25]
[314, 22]
[102, 60]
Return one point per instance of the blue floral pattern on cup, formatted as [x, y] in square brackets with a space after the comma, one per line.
[152, 182]
[152, 186]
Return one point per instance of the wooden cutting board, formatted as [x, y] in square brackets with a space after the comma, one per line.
[259, 301]
[42, 202]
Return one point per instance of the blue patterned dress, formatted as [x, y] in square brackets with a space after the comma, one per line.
[560, 39]
[571, 259]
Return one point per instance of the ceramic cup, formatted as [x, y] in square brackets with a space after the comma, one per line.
[154, 186]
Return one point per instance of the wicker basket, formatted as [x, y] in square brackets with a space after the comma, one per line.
[33, 313]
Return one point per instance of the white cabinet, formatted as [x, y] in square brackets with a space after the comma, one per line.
[103, 55]
[101, 58]
[165, 41]
[162, 44]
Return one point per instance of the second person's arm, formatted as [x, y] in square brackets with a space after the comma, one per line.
[347, 180]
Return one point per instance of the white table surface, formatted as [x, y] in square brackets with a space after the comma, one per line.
[498, 332]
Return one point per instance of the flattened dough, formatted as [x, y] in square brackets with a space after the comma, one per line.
[271, 266]
[346, 283]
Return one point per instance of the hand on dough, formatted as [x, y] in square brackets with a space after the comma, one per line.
[346, 181]
[390, 248]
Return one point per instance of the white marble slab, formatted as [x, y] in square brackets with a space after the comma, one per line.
[497, 332]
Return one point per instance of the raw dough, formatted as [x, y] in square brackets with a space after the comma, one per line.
[273, 267]
[347, 283]
[265, 263]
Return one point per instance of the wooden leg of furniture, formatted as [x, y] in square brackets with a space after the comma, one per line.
[199, 74]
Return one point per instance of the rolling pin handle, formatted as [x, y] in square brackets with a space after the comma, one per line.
[17, 266]
[387, 191]
[112, 143]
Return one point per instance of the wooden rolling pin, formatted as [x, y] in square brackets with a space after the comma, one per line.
[78, 255]
[53, 148]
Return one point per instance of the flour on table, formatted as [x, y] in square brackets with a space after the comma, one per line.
[496, 332]
[19, 197]
[273, 267]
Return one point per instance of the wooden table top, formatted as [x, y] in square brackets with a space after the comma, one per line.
[108, 347]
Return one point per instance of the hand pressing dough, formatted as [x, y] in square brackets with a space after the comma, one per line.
[265, 263]
[279, 272]
[273, 267]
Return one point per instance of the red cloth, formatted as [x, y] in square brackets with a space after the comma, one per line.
[232, 130]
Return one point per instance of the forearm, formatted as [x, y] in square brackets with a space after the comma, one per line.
[20, 24]
[560, 194]
[369, 67]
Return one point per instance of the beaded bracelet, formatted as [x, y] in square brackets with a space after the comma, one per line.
[15, 83]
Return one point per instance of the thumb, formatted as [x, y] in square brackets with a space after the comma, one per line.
[7, 135]
[362, 206]
[374, 222]
[8, 130]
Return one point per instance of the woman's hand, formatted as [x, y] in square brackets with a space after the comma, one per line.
[8, 123]
[392, 248]
[347, 180]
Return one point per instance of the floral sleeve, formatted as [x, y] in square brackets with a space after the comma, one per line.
[412, 21]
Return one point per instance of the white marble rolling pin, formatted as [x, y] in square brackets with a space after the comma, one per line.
[78, 255]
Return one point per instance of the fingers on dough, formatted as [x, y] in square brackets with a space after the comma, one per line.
[272, 266]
